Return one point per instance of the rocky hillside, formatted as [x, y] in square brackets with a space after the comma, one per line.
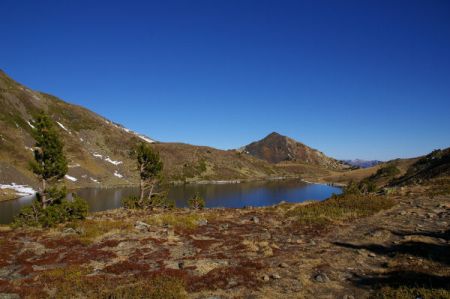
[97, 148]
[435, 165]
[276, 148]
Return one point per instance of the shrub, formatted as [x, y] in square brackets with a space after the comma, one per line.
[157, 201]
[131, 202]
[68, 210]
[196, 202]
[352, 188]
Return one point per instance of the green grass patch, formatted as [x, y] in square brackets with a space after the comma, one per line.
[340, 208]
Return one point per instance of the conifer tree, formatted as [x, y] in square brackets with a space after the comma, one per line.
[150, 168]
[50, 163]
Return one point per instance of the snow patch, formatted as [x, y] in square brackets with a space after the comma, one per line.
[81, 139]
[112, 161]
[97, 155]
[28, 122]
[70, 178]
[94, 180]
[117, 174]
[74, 165]
[20, 189]
[29, 148]
[62, 127]
[145, 138]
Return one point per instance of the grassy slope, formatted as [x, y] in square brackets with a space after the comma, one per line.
[88, 134]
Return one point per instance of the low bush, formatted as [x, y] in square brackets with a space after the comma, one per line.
[157, 201]
[65, 211]
[196, 202]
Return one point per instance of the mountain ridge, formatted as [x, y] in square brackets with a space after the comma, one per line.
[98, 148]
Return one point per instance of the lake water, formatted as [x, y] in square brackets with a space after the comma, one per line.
[257, 194]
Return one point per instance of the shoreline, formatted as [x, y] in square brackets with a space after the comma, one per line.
[339, 185]
[199, 182]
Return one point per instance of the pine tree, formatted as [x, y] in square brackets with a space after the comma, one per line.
[50, 163]
[150, 168]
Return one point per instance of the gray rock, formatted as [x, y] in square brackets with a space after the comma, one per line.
[142, 226]
[224, 226]
[321, 277]
[9, 296]
[372, 254]
[276, 276]
[69, 231]
[283, 265]
[348, 297]
[255, 219]
[202, 222]
[265, 236]
[266, 278]
[232, 283]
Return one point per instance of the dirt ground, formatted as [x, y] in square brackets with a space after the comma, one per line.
[236, 253]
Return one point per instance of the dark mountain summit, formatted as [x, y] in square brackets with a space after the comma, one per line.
[276, 148]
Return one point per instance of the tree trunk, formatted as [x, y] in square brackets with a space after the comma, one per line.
[43, 195]
[141, 196]
[141, 187]
[150, 193]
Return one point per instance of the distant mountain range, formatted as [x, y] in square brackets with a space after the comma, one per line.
[362, 163]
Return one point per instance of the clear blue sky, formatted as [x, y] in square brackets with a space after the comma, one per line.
[355, 79]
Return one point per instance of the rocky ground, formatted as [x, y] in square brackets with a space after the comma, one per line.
[235, 253]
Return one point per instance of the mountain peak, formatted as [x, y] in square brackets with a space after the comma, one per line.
[276, 148]
[274, 134]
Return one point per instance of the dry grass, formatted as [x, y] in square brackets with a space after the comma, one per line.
[92, 229]
[340, 208]
[178, 221]
[412, 292]
[72, 282]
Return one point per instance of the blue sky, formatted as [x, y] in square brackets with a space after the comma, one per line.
[355, 79]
